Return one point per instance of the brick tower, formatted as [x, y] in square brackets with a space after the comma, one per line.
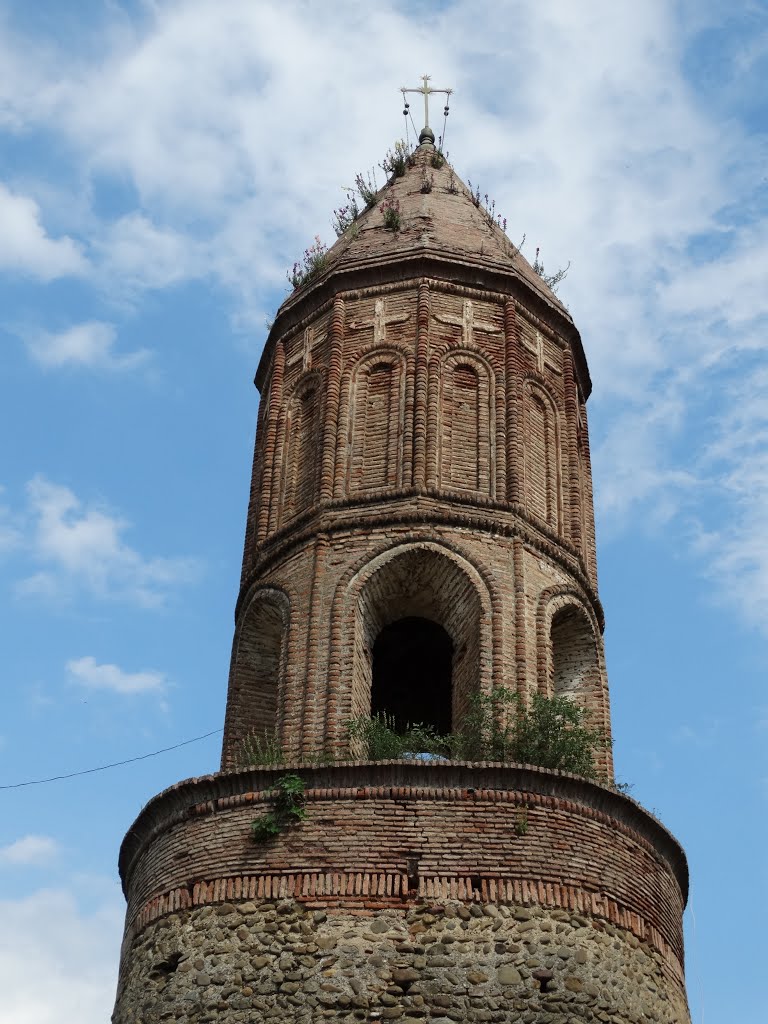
[420, 530]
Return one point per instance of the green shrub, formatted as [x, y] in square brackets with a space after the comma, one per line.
[397, 160]
[390, 209]
[312, 263]
[551, 732]
[383, 742]
[366, 187]
[550, 280]
[287, 809]
[260, 749]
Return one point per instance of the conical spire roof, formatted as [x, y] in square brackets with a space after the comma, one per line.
[439, 218]
[444, 231]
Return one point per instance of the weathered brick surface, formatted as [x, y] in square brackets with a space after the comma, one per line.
[396, 837]
[417, 426]
[422, 450]
[375, 571]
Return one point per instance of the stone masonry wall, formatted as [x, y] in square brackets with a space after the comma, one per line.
[247, 961]
[411, 890]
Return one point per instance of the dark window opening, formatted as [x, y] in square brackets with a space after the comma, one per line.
[411, 675]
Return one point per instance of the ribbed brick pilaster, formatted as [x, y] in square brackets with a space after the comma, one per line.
[269, 471]
[333, 392]
[420, 391]
[515, 372]
[574, 486]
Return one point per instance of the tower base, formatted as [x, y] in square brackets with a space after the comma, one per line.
[412, 892]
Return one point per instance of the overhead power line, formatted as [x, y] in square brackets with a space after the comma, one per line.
[115, 764]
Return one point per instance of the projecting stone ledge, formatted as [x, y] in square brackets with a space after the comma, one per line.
[410, 887]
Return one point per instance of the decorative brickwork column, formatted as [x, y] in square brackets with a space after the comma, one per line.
[499, 486]
[257, 473]
[332, 401]
[588, 501]
[312, 737]
[420, 390]
[573, 490]
[515, 373]
[433, 424]
[521, 640]
[270, 444]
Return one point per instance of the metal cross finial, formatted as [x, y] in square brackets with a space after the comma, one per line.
[427, 135]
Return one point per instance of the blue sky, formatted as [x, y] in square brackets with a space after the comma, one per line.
[161, 165]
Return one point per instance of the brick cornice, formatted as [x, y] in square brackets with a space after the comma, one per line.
[422, 510]
[498, 281]
[405, 780]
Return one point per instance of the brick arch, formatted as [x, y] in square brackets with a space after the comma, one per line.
[445, 348]
[301, 430]
[413, 577]
[570, 657]
[257, 683]
[373, 412]
[466, 434]
[542, 457]
[308, 379]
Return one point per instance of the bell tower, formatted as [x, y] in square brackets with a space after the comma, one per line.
[422, 453]
[420, 530]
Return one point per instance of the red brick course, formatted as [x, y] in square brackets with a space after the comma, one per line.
[453, 828]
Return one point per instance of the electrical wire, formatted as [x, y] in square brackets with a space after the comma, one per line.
[115, 764]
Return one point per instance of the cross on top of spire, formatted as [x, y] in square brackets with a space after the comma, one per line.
[426, 135]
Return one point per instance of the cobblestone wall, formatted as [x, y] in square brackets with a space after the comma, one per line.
[277, 960]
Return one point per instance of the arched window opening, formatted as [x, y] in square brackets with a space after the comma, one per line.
[421, 640]
[411, 674]
[575, 668]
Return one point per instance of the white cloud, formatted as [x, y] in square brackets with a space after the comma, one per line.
[90, 344]
[28, 851]
[735, 552]
[137, 254]
[81, 545]
[729, 290]
[88, 672]
[26, 248]
[80, 951]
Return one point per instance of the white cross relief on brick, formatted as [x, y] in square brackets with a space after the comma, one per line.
[543, 360]
[304, 354]
[468, 323]
[379, 323]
